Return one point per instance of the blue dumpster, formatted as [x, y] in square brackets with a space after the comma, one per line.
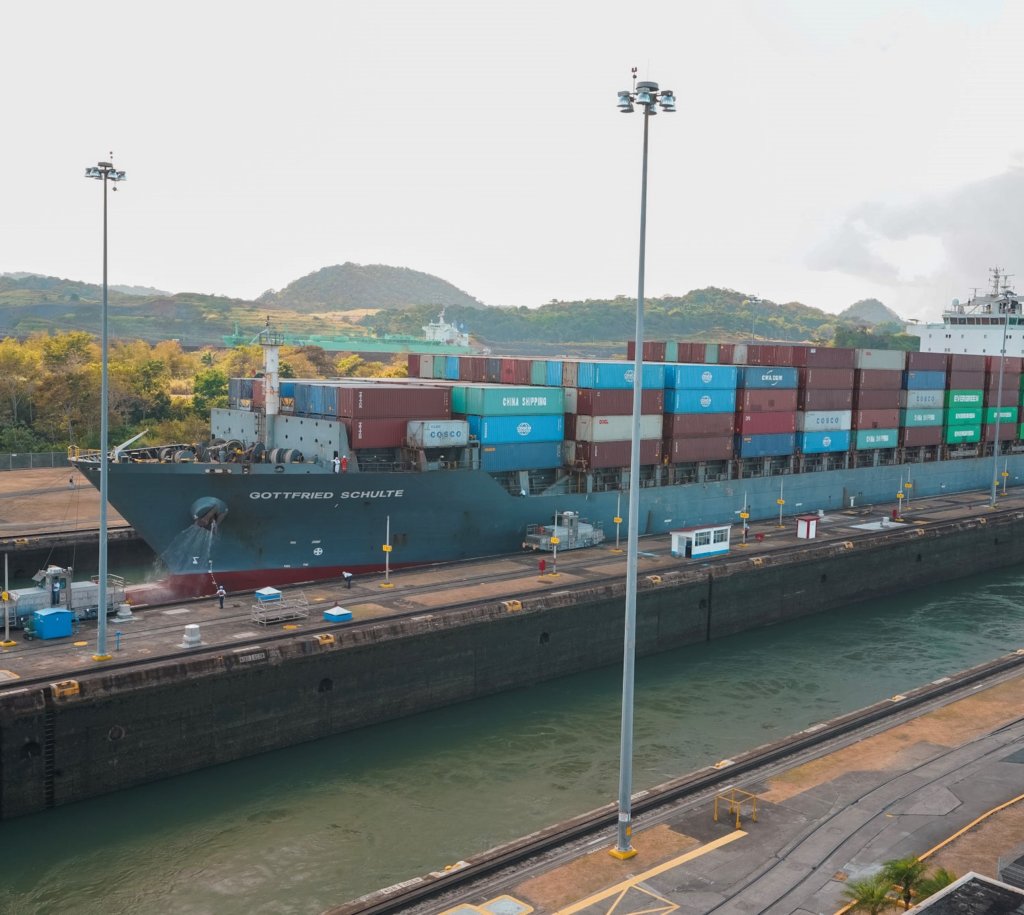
[52, 624]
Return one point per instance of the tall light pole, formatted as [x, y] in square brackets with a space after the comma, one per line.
[999, 407]
[105, 172]
[648, 97]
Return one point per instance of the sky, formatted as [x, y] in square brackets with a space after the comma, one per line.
[822, 152]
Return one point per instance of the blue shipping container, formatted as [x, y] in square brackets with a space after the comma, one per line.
[700, 376]
[451, 368]
[923, 381]
[708, 401]
[505, 430]
[607, 376]
[823, 442]
[287, 388]
[521, 456]
[765, 445]
[758, 376]
[553, 378]
[302, 398]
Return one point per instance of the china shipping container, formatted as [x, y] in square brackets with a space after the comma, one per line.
[698, 425]
[754, 446]
[502, 430]
[922, 417]
[689, 450]
[765, 423]
[521, 456]
[710, 401]
[866, 439]
[507, 400]
[600, 455]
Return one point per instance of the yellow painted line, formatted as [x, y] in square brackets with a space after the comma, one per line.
[969, 826]
[653, 872]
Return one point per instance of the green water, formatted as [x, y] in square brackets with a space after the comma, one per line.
[303, 829]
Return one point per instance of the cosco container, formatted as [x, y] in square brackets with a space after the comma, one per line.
[443, 433]
[818, 420]
[962, 398]
[823, 442]
[767, 377]
[963, 416]
[755, 446]
[922, 417]
[922, 400]
[503, 430]
[507, 400]
[617, 375]
[1003, 414]
[593, 401]
[610, 454]
[876, 438]
[521, 456]
[708, 448]
[615, 428]
[700, 377]
[765, 423]
[709, 401]
[924, 381]
[962, 435]
[766, 400]
[889, 359]
[695, 425]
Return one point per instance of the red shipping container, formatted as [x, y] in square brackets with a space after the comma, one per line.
[654, 350]
[376, 433]
[413, 364]
[762, 354]
[1010, 398]
[1007, 432]
[878, 379]
[964, 380]
[616, 454]
[616, 402]
[927, 362]
[570, 427]
[826, 357]
[725, 352]
[833, 379]
[877, 400]
[915, 436]
[1010, 380]
[1010, 364]
[784, 353]
[687, 450]
[258, 400]
[492, 370]
[392, 401]
[965, 362]
[825, 399]
[508, 370]
[521, 373]
[876, 419]
[765, 423]
[766, 400]
[697, 425]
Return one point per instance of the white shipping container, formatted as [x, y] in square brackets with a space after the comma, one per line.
[437, 433]
[821, 420]
[917, 400]
[615, 428]
[571, 396]
[739, 354]
[892, 359]
[426, 366]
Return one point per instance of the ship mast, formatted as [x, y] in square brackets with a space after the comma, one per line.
[271, 342]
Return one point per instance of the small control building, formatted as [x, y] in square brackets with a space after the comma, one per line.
[700, 542]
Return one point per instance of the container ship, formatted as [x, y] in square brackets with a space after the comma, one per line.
[306, 479]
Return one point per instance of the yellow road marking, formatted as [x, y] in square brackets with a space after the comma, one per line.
[653, 872]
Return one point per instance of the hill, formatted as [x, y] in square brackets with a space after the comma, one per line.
[869, 311]
[349, 286]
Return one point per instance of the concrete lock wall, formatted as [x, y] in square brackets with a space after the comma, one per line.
[131, 727]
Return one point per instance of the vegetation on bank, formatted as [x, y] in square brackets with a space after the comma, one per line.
[50, 387]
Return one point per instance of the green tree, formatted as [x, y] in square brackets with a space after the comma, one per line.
[937, 880]
[870, 895]
[209, 390]
[906, 873]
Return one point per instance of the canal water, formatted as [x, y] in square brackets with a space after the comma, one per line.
[303, 829]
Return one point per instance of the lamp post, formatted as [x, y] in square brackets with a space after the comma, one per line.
[649, 98]
[105, 172]
[998, 411]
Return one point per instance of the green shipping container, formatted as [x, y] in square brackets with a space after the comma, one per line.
[507, 400]
[1006, 415]
[963, 416]
[539, 371]
[965, 399]
[958, 435]
[922, 417]
[672, 351]
[877, 438]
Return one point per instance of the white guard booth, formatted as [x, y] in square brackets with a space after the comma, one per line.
[807, 527]
[698, 542]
